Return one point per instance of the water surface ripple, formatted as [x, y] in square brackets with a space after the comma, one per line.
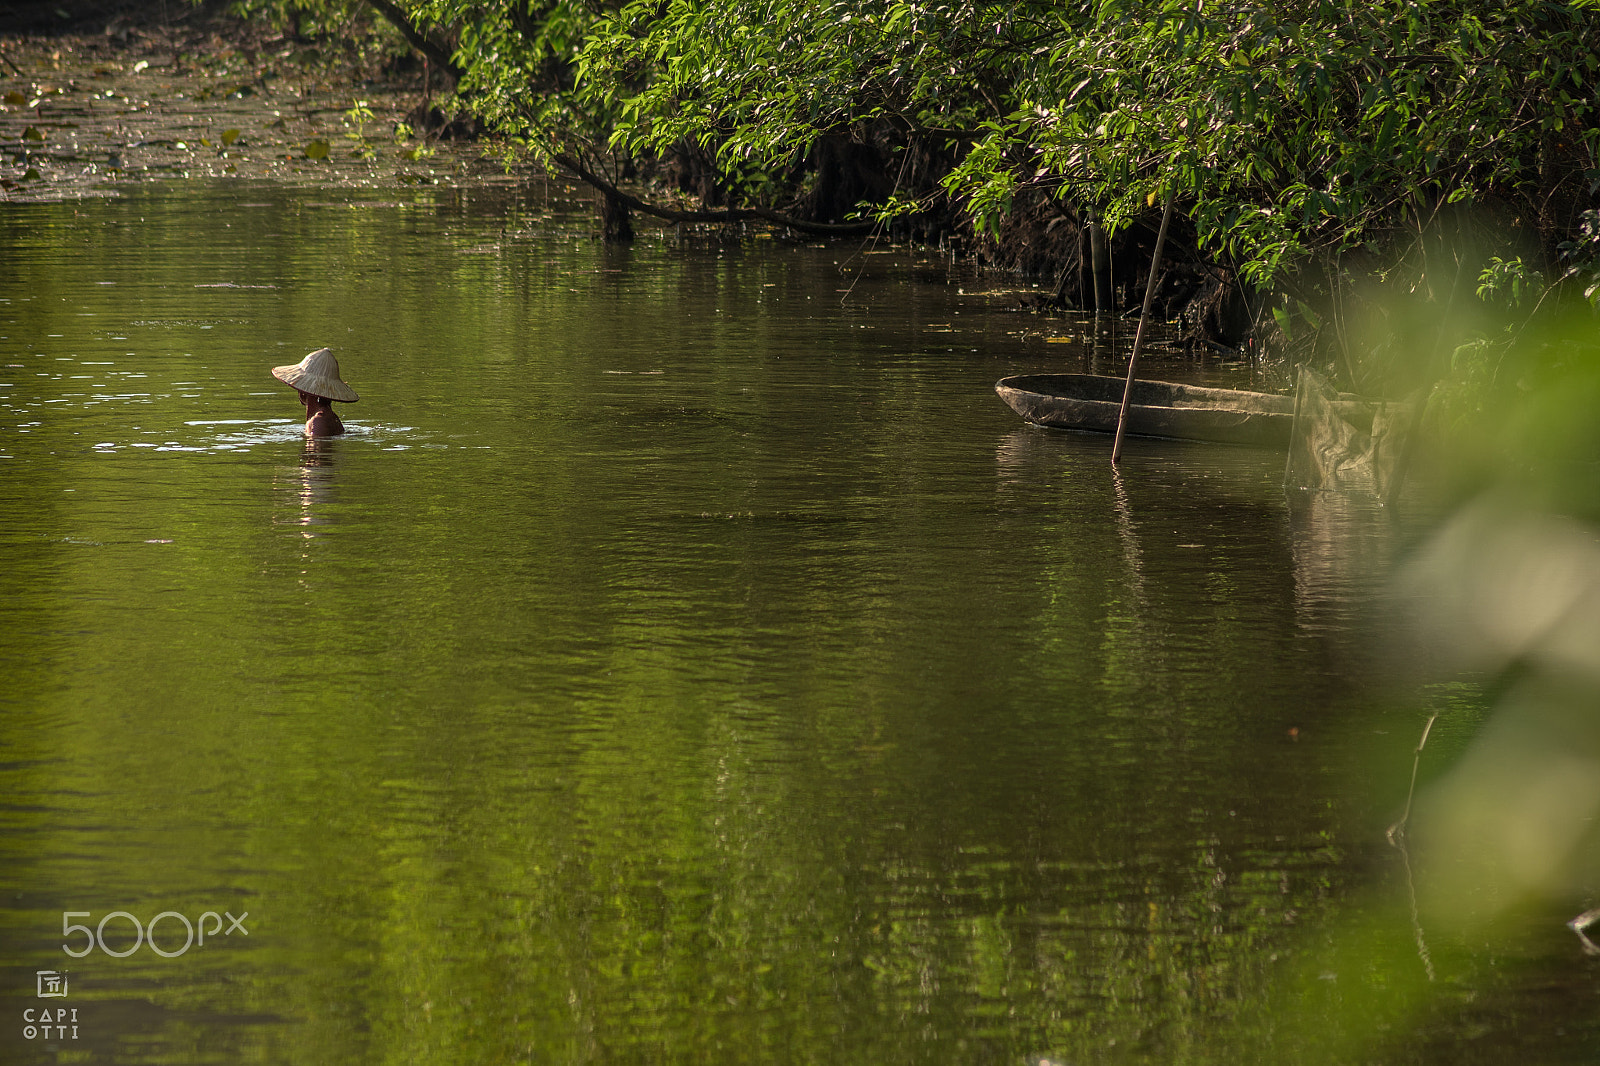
[680, 660]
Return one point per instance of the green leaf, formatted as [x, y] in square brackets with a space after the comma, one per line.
[1282, 318]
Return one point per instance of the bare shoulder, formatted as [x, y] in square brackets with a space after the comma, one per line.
[324, 424]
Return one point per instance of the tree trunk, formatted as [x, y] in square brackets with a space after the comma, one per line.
[616, 222]
[1100, 267]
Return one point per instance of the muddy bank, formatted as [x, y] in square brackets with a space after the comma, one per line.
[83, 113]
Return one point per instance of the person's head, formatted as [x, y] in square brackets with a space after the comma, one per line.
[316, 379]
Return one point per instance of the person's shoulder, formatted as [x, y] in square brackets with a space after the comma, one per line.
[324, 424]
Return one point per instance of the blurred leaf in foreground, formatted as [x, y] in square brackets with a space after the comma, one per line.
[1508, 587]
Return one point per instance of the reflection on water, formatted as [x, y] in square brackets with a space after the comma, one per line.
[310, 484]
[674, 664]
[1129, 539]
[316, 452]
[1343, 542]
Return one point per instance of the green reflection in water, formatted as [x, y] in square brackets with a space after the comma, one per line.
[672, 664]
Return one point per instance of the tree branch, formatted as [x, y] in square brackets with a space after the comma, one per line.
[732, 214]
[419, 40]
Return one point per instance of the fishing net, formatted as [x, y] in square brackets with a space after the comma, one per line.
[1344, 443]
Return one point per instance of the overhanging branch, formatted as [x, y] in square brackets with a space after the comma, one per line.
[437, 55]
[732, 214]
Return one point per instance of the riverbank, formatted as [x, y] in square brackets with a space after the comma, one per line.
[84, 113]
[120, 93]
[116, 104]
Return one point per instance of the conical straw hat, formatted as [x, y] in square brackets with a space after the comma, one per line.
[318, 374]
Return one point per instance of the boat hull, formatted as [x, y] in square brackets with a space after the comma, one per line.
[1158, 409]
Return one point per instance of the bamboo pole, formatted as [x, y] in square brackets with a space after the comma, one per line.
[1138, 337]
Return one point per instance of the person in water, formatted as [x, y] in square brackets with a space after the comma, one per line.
[316, 379]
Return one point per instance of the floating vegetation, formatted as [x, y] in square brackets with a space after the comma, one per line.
[163, 103]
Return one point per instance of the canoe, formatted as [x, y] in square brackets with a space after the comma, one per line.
[1157, 409]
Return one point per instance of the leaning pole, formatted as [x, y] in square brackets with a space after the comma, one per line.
[1138, 337]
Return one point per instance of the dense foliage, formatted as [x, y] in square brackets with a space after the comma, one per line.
[1293, 127]
[1292, 133]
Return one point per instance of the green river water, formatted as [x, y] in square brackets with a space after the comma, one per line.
[681, 660]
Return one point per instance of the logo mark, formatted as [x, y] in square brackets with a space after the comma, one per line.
[52, 983]
[146, 934]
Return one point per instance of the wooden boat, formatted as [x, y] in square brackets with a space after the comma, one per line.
[1157, 408]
